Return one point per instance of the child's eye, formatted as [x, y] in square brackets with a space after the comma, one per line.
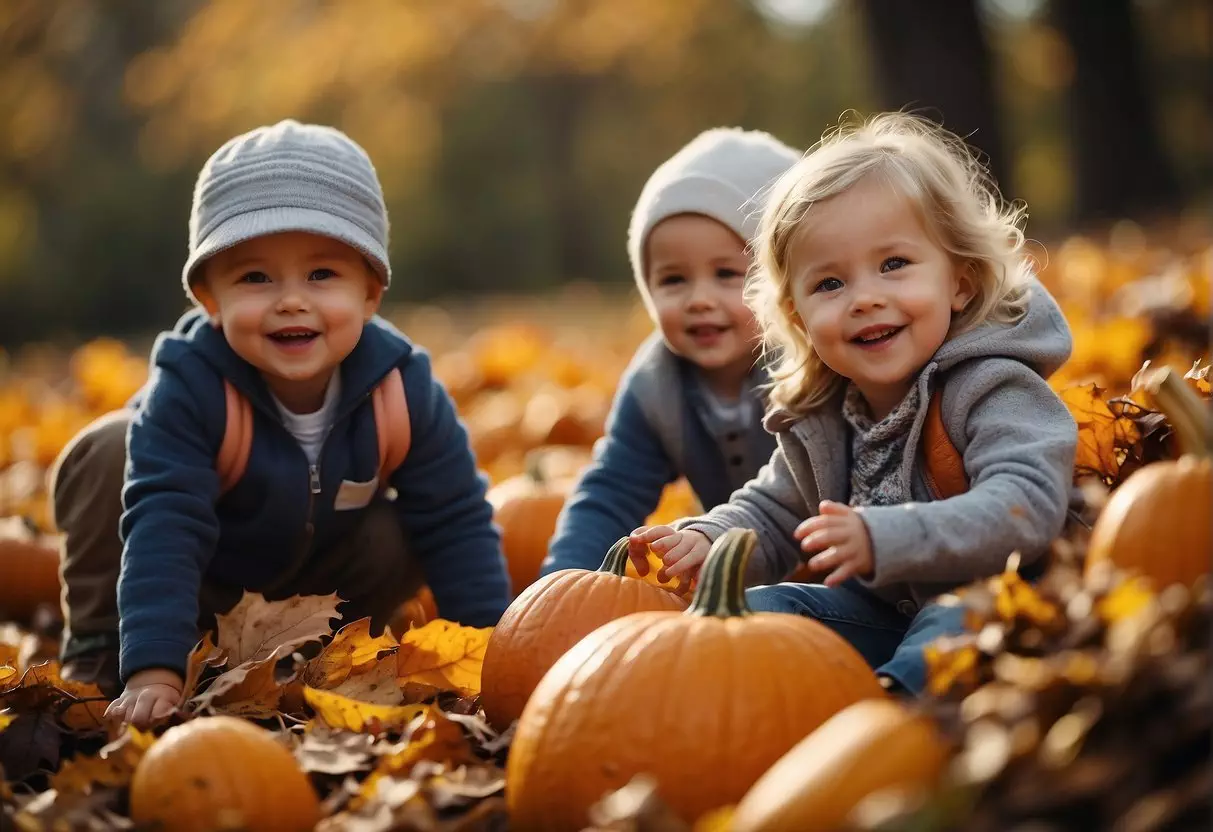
[670, 280]
[830, 284]
[893, 263]
[728, 274]
[254, 277]
[322, 274]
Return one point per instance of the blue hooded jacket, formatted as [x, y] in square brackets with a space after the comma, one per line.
[176, 526]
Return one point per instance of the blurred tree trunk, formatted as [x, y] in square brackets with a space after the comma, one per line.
[932, 56]
[1120, 166]
[563, 98]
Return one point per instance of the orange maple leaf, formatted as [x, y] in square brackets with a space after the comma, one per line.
[443, 654]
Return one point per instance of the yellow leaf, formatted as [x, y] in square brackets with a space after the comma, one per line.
[1129, 597]
[443, 654]
[1102, 436]
[255, 628]
[352, 650]
[6, 720]
[7, 674]
[717, 820]
[377, 684]
[341, 712]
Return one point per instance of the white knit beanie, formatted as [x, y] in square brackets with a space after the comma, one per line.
[722, 173]
[288, 177]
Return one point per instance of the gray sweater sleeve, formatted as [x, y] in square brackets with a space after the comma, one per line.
[1019, 445]
[772, 505]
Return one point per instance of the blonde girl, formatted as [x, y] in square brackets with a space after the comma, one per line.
[891, 281]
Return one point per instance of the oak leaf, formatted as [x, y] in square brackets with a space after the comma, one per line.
[79, 706]
[351, 651]
[444, 654]
[205, 654]
[341, 712]
[255, 628]
[1103, 436]
[249, 690]
[376, 684]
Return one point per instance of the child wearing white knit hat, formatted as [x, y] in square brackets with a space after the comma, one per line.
[690, 404]
[289, 441]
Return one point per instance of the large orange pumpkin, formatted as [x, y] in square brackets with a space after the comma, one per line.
[704, 701]
[29, 574]
[549, 617]
[1158, 523]
[222, 769]
[869, 746]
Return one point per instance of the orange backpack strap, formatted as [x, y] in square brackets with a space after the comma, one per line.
[944, 469]
[237, 438]
[391, 423]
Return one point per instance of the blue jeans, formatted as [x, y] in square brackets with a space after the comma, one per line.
[890, 640]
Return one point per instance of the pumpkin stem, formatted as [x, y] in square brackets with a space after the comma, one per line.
[721, 588]
[533, 466]
[1187, 414]
[616, 560]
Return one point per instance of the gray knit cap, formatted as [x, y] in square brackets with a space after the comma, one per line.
[288, 177]
[722, 173]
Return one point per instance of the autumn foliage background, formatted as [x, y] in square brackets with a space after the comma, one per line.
[512, 137]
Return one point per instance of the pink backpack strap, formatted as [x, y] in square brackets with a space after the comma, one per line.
[391, 423]
[237, 438]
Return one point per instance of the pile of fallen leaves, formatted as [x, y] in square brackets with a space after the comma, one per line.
[1045, 700]
[388, 730]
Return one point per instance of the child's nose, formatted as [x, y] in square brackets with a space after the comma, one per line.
[292, 299]
[702, 295]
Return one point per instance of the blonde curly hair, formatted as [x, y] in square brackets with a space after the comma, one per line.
[957, 200]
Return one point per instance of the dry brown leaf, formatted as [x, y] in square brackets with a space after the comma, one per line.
[80, 706]
[432, 738]
[352, 650]
[113, 766]
[1102, 435]
[250, 690]
[327, 750]
[255, 628]
[443, 654]
[93, 812]
[341, 712]
[377, 684]
[205, 654]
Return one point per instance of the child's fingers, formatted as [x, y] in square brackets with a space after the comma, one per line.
[674, 541]
[831, 508]
[686, 565]
[639, 554]
[141, 712]
[162, 708]
[116, 710]
[823, 538]
[831, 558]
[843, 573]
[810, 525]
[649, 534]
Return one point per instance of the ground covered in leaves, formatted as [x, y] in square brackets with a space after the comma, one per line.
[1072, 702]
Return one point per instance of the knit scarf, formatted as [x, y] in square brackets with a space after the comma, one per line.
[877, 449]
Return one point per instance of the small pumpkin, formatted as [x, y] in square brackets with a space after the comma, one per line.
[29, 570]
[549, 617]
[1157, 523]
[864, 748]
[704, 701]
[218, 770]
[526, 508]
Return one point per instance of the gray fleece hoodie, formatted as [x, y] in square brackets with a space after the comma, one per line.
[1015, 434]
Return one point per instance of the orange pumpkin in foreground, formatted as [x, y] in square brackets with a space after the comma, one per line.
[549, 617]
[1158, 523]
[219, 770]
[869, 746]
[704, 701]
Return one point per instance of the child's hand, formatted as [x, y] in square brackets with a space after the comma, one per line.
[150, 695]
[841, 538]
[682, 553]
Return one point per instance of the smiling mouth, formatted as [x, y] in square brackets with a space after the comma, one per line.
[877, 336]
[294, 336]
[706, 330]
